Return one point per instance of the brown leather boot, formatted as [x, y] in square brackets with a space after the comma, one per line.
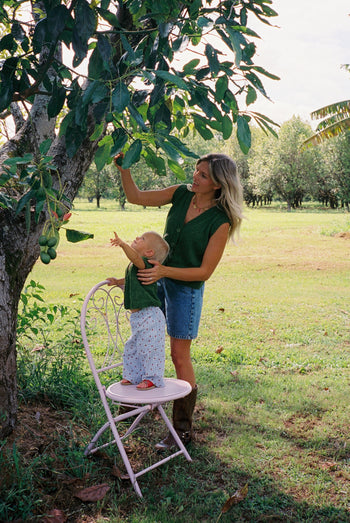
[182, 420]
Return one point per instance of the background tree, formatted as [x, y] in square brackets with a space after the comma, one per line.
[131, 96]
[260, 181]
[336, 155]
[293, 168]
[98, 184]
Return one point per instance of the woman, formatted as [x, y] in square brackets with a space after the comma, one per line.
[203, 217]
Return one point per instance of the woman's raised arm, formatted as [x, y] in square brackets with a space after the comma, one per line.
[152, 198]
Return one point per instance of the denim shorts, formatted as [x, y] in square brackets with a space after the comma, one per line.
[182, 306]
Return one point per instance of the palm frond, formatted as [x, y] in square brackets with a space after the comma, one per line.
[332, 109]
[327, 122]
[329, 132]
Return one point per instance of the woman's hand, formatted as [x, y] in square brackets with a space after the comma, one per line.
[118, 160]
[148, 276]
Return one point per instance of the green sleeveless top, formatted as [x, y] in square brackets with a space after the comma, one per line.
[188, 241]
[136, 295]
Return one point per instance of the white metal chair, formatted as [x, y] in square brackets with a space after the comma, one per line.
[104, 328]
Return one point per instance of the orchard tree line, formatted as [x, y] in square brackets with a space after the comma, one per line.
[281, 169]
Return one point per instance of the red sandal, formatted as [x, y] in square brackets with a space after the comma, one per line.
[125, 382]
[145, 385]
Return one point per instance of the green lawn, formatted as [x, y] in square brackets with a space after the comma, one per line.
[273, 371]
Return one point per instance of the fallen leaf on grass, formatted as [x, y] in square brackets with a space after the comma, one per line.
[237, 497]
[234, 374]
[95, 493]
[116, 471]
[329, 465]
[55, 516]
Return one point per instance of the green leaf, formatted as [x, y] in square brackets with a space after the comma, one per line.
[45, 146]
[119, 140]
[256, 82]
[74, 138]
[4, 178]
[137, 117]
[212, 57]
[221, 87]
[226, 127]
[74, 236]
[264, 72]
[6, 202]
[6, 92]
[7, 42]
[204, 22]
[39, 37]
[181, 147]
[56, 101]
[236, 41]
[251, 95]
[56, 21]
[26, 158]
[109, 17]
[155, 162]
[24, 200]
[201, 127]
[243, 134]
[172, 78]
[169, 150]
[132, 155]
[97, 131]
[95, 92]
[96, 66]
[85, 20]
[120, 97]
[66, 122]
[102, 156]
[191, 66]
[177, 170]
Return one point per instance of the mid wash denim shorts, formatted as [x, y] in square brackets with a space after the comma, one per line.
[182, 306]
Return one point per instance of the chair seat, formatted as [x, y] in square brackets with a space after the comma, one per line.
[172, 390]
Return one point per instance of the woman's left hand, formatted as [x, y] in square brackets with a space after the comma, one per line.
[148, 276]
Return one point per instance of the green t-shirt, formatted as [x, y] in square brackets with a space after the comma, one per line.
[188, 241]
[136, 295]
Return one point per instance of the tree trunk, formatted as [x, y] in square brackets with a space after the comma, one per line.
[19, 250]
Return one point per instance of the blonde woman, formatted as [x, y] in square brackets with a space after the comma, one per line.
[202, 218]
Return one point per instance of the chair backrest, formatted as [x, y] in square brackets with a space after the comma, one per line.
[105, 328]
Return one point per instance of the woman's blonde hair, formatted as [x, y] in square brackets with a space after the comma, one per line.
[223, 172]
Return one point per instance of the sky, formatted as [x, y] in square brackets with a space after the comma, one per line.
[306, 50]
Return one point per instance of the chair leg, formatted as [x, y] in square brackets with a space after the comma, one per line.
[182, 421]
[173, 434]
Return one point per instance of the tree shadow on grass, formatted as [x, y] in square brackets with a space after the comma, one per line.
[176, 492]
[181, 492]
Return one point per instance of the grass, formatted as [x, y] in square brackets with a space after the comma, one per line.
[272, 365]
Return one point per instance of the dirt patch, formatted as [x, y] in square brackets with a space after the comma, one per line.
[345, 235]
